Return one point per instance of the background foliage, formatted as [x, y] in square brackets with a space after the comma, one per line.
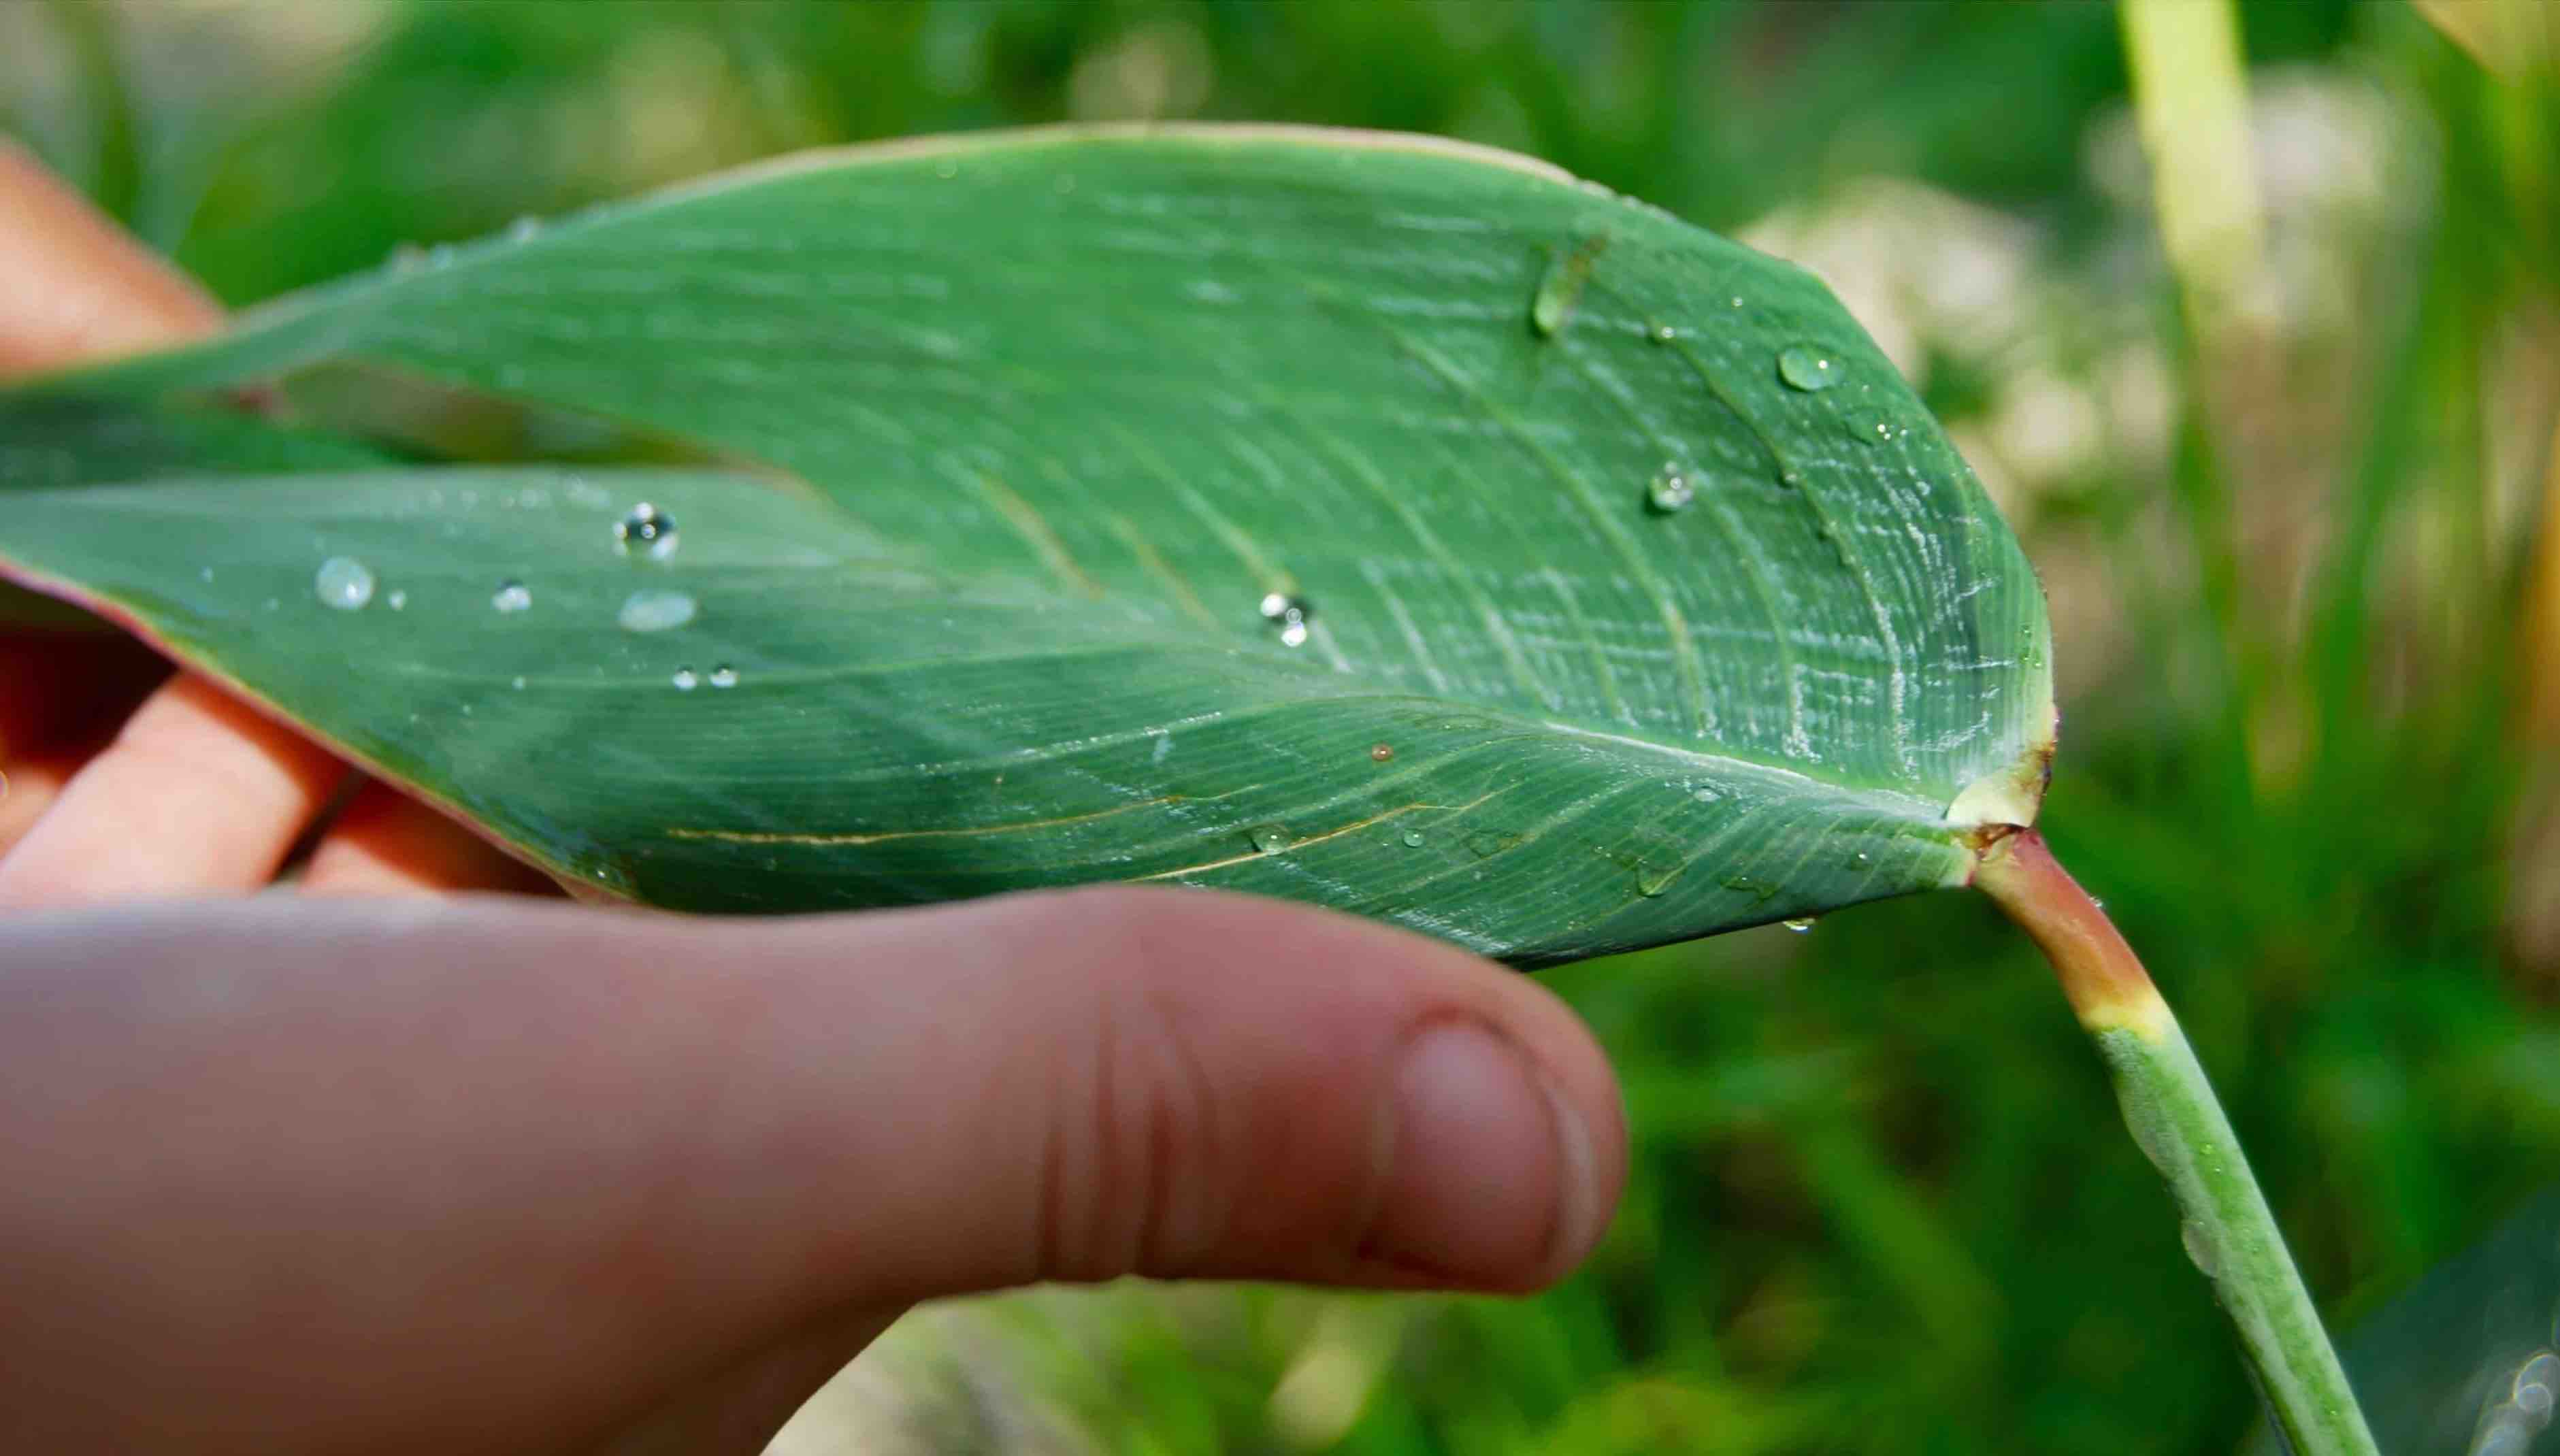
[2292, 503]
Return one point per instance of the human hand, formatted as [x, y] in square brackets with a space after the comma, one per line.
[292, 1174]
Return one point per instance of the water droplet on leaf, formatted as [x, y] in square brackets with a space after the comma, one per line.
[685, 680]
[646, 531]
[1804, 367]
[397, 600]
[517, 683]
[655, 612]
[1661, 333]
[724, 676]
[1669, 490]
[1289, 614]
[1653, 879]
[2199, 1248]
[1380, 752]
[1559, 291]
[1412, 839]
[511, 597]
[1269, 839]
[343, 583]
[1800, 923]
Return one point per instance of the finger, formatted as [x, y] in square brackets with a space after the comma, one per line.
[57, 687]
[384, 843]
[73, 285]
[198, 794]
[494, 1175]
[27, 788]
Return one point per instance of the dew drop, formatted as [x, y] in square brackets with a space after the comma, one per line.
[343, 583]
[517, 683]
[2536, 1382]
[1412, 839]
[1669, 490]
[655, 610]
[1806, 368]
[724, 676]
[1661, 334]
[1801, 924]
[1289, 614]
[1268, 839]
[1704, 796]
[1651, 881]
[1858, 861]
[1559, 291]
[1791, 479]
[1755, 888]
[511, 597]
[523, 229]
[646, 531]
[2199, 1248]
[397, 600]
[205, 575]
[685, 680]
[1380, 752]
[1484, 844]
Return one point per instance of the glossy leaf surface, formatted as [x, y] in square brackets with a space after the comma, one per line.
[1370, 521]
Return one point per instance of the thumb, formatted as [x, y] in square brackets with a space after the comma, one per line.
[499, 1174]
[1182, 1084]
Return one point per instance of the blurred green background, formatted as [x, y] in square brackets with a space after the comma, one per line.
[2263, 366]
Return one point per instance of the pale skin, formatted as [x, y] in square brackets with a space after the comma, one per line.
[417, 1156]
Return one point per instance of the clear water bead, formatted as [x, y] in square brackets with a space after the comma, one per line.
[685, 680]
[1269, 839]
[1800, 923]
[724, 676]
[1289, 614]
[343, 583]
[511, 597]
[655, 610]
[1804, 367]
[1669, 490]
[1412, 839]
[646, 531]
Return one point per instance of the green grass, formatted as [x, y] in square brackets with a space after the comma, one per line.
[1881, 1199]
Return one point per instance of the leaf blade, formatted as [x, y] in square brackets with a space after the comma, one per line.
[1216, 368]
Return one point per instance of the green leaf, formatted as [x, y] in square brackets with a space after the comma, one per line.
[1023, 435]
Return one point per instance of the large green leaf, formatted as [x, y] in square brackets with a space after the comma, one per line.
[1020, 433]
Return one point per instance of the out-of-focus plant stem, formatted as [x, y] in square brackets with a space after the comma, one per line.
[2179, 1125]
